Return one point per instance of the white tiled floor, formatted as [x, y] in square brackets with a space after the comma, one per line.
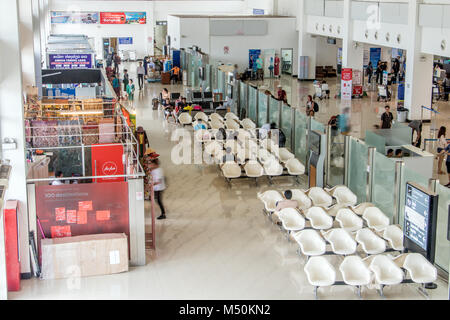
[215, 244]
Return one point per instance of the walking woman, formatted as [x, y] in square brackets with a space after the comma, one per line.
[442, 144]
[159, 186]
[130, 91]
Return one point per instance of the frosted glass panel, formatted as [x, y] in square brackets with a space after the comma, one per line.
[317, 126]
[243, 98]
[274, 111]
[220, 82]
[208, 76]
[383, 184]
[357, 177]
[301, 127]
[262, 109]
[286, 123]
[409, 176]
[337, 158]
[376, 141]
[214, 78]
[252, 100]
[442, 257]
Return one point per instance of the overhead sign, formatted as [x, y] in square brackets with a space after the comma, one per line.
[123, 18]
[70, 61]
[258, 12]
[63, 17]
[128, 40]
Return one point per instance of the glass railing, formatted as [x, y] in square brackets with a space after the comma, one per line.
[376, 141]
[262, 108]
[442, 253]
[252, 103]
[336, 167]
[286, 124]
[220, 82]
[243, 99]
[357, 169]
[274, 111]
[383, 184]
[301, 128]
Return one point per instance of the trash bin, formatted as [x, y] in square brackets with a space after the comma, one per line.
[402, 114]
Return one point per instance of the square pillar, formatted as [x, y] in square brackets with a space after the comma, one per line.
[307, 45]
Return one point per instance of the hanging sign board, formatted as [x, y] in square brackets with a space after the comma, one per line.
[420, 220]
[123, 18]
[107, 161]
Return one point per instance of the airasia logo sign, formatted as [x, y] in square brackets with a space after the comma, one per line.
[109, 168]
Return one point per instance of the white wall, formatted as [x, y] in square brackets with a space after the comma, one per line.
[327, 53]
[195, 32]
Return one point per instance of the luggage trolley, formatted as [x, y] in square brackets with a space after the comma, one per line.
[322, 91]
[383, 93]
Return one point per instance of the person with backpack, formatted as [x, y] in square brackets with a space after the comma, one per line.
[311, 107]
[126, 80]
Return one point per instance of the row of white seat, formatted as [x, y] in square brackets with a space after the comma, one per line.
[344, 241]
[216, 121]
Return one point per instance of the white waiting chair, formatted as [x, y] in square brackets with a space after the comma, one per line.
[264, 155]
[213, 147]
[319, 219]
[341, 241]
[295, 167]
[231, 116]
[320, 197]
[231, 170]
[320, 273]
[233, 144]
[359, 209]
[185, 119]
[304, 202]
[375, 218]
[344, 195]
[201, 116]
[217, 117]
[231, 124]
[333, 210]
[253, 169]
[370, 242]
[251, 150]
[270, 199]
[273, 168]
[248, 124]
[291, 220]
[243, 136]
[386, 272]
[285, 155]
[348, 220]
[216, 124]
[394, 236]
[202, 135]
[310, 242]
[355, 272]
[420, 269]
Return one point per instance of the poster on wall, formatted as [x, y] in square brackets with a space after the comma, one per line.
[107, 161]
[126, 40]
[375, 56]
[70, 61]
[64, 17]
[123, 18]
[253, 55]
[269, 61]
[346, 84]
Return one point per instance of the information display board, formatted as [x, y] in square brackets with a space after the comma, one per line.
[70, 61]
[420, 220]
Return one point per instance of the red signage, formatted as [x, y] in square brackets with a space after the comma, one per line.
[113, 18]
[347, 74]
[107, 161]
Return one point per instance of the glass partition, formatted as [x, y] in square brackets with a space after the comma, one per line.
[274, 111]
[408, 175]
[301, 129]
[337, 158]
[262, 109]
[235, 97]
[442, 256]
[286, 123]
[220, 81]
[252, 102]
[399, 135]
[189, 69]
[357, 175]
[208, 76]
[383, 184]
[243, 99]
[214, 78]
[317, 126]
[376, 141]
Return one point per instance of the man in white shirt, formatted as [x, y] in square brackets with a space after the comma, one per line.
[140, 72]
[159, 186]
[58, 174]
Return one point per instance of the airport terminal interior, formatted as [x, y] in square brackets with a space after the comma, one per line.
[225, 150]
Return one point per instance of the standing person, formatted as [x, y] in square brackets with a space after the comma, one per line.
[447, 162]
[379, 73]
[446, 86]
[126, 80]
[117, 62]
[142, 139]
[311, 107]
[386, 118]
[369, 71]
[159, 186]
[271, 67]
[442, 144]
[146, 65]
[254, 69]
[235, 72]
[140, 73]
[276, 65]
[116, 86]
[175, 77]
[58, 174]
[396, 67]
[281, 94]
[260, 68]
[130, 91]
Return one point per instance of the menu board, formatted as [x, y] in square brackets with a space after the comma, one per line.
[70, 61]
[419, 223]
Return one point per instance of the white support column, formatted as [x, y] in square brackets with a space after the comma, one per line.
[307, 45]
[26, 43]
[151, 23]
[11, 118]
[352, 52]
[37, 37]
[419, 70]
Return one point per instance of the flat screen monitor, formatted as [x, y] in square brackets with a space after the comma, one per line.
[207, 95]
[197, 95]
[175, 96]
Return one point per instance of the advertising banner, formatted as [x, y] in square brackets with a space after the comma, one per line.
[107, 161]
[346, 84]
[253, 55]
[375, 56]
[357, 83]
[70, 61]
[63, 17]
[123, 18]
[128, 40]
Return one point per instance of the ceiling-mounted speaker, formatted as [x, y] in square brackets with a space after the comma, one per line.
[443, 44]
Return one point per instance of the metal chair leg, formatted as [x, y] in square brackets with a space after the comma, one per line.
[358, 290]
[315, 293]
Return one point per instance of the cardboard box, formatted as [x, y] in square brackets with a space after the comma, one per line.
[84, 256]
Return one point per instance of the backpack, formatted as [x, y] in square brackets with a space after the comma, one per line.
[316, 107]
